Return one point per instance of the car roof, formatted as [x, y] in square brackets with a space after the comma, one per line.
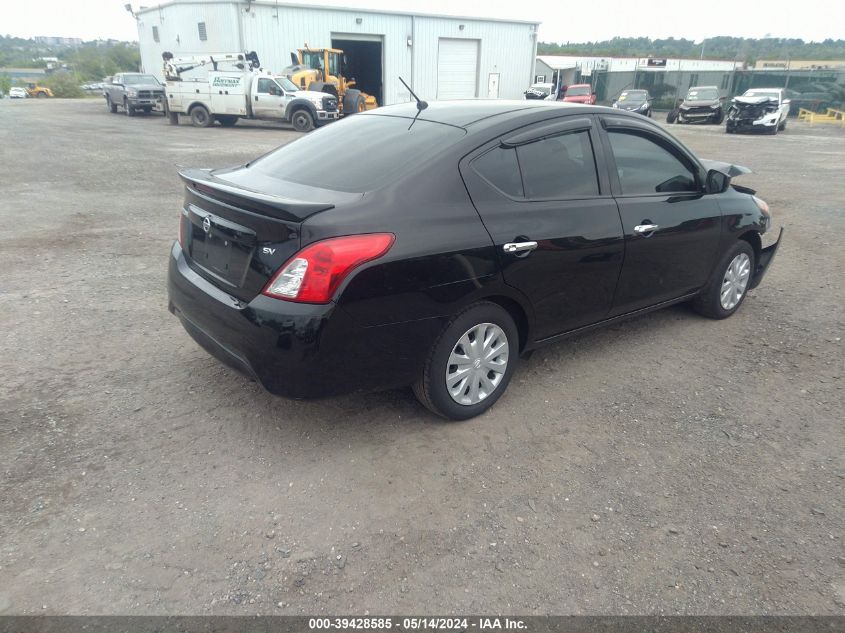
[463, 113]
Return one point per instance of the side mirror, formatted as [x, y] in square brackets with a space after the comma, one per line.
[717, 182]
[787, 101]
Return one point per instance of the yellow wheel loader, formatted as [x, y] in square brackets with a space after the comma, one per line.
[321, 70]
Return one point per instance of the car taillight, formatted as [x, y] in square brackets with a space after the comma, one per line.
[314, 274]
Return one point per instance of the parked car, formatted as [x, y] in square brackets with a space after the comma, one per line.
[134, 92]
[638, 101]
[473, 233]
[17, 93]
[580, 93]
[758, 110]
[703, 104]
[542, 91]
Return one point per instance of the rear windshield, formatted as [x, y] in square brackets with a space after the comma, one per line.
[358, 154]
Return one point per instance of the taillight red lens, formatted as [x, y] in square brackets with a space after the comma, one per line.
[314, 274]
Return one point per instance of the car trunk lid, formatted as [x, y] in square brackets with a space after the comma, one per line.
[237, 237]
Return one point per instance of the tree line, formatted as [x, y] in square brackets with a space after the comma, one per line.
[89, 62]
[747, 50]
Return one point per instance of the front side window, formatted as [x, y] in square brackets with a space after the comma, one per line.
[268, 87]
[559, 167]
[647, 167]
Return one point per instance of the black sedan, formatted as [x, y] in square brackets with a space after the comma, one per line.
[638, 101]
[434, 248]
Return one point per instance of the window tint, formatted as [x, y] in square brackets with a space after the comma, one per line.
[360, 153]
[559, 167]
[645, 167]
[500, 169]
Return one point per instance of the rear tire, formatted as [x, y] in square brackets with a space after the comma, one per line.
[479, 384]
[302, 121]
[782, 126]
[735, 270]
[200, 116]
[41, 95]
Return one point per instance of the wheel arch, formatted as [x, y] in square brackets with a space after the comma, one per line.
[194, 105]
[756, 242]
[519, 315]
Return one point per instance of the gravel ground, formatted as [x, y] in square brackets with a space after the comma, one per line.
[668, 465]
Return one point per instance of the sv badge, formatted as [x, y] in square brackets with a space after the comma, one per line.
[268, 251]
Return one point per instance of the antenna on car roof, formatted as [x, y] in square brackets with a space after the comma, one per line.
[421, 105]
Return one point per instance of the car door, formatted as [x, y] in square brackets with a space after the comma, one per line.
[267, 99]
[671, 227]
[552, 218]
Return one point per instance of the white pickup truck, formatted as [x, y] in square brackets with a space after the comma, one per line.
[227, 96]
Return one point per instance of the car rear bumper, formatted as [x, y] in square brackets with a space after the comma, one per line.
[293, 349]
[767, 255]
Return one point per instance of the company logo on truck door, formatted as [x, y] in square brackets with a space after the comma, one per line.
[226, 82]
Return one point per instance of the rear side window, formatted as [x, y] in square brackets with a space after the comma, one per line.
[646, 167]
[360, 153]
[559, 167]
[499, 168]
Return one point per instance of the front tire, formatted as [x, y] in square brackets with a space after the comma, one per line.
[471, 363]
[353, 102]
[112, 106]
[728, 286]
[228, 121]
[130, 111]
[302, 121]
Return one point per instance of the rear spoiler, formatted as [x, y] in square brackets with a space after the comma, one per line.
[203, 183]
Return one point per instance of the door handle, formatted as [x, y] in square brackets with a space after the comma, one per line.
[519, 247]
[645, 228]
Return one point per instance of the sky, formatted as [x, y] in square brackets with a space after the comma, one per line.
[561, 21]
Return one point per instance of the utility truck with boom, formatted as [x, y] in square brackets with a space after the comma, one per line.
[234, 86]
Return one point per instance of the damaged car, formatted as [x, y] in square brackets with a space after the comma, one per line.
[541, 91]
[759, 109]
[703, 104]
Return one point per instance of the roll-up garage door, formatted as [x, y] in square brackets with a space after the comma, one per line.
[457, 69]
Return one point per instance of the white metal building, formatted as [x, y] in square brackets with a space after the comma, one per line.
[441, 57]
